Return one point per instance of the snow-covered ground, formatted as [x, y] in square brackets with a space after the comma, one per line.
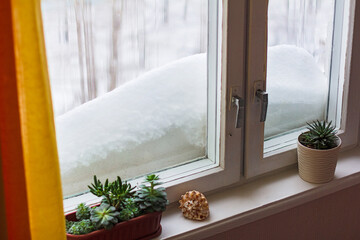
[159, 119]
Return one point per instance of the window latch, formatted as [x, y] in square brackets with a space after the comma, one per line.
[239, 104]
[263, 97]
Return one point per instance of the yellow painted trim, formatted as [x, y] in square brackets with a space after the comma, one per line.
[37, 124]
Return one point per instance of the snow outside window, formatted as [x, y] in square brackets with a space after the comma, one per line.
[129, 86]
[300, 60]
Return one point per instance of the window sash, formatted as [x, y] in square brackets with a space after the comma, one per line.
[256, 161]
[212, 79]
[207, 175]
[334, 108]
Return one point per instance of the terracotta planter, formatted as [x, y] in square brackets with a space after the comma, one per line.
[143, 227]
[317, 166]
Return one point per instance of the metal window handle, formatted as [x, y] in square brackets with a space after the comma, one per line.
[239, 104]
[263, 97]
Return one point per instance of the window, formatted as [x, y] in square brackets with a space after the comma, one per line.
[151, 87]
[135, 86]
[304, 76]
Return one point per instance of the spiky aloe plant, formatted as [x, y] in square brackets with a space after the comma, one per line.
[100, 190]
[120, 192]
[104, 216]
[149, 198]
[321, 135]
[114, 193]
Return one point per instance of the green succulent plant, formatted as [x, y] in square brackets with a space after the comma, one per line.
[82, 212]
[81, 227]
[114, 193]
[119, 203]
[149, 198]
[130, 210]
[68, 224]
[104, 216]
[321, 135]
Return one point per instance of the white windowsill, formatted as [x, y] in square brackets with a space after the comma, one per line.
[266, 196]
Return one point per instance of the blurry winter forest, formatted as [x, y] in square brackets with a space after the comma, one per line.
[94, 46]
[307, 24]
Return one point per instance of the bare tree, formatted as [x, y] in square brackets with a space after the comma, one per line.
[185, 9]
[86, 50]
[89, 52]
[141, 34]
[66, 22]
[114, 67]
[166, 11]
[203, 26]
[78, 18]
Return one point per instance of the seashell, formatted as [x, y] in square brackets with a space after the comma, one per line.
[194, 205]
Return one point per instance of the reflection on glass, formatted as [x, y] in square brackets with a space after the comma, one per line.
[299, 55]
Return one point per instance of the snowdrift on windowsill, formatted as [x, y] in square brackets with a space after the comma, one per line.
[297, 89]
[159, 119]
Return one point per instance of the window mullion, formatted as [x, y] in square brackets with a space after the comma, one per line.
[256, 79]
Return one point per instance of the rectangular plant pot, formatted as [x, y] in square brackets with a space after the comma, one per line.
[143, 227]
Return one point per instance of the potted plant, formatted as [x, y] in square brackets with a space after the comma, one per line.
[122, 214]
[318, 150]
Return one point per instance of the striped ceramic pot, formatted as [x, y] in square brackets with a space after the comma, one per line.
[317, 166]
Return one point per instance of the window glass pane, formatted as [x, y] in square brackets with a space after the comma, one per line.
[129, 85]
[300, 43]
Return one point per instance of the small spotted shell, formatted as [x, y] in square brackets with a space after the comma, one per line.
[194, 205]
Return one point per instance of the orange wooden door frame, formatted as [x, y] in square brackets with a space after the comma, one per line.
[15, 208]
[30, 175]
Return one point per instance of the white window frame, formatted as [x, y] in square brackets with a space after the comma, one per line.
[228, 169]
[207, 175]
[256, 162]
[240, 150]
